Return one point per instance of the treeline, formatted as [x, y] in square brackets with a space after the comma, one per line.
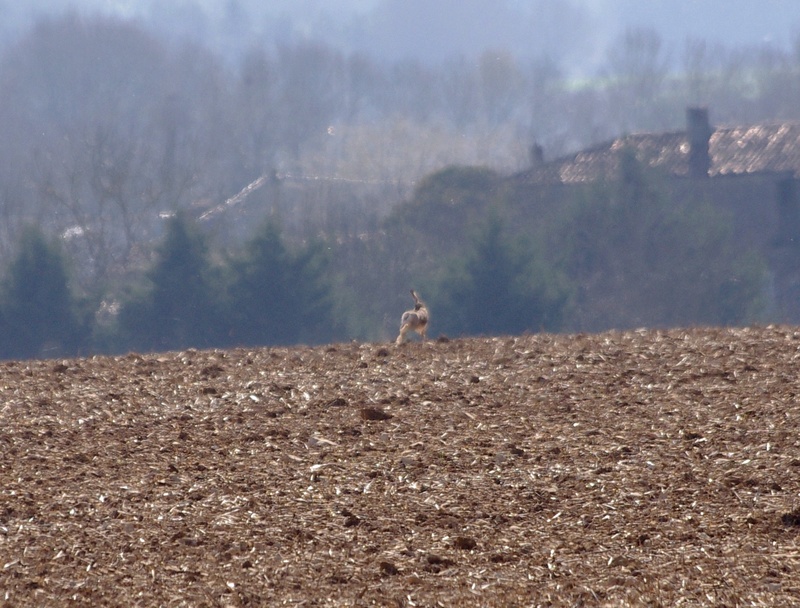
[106, 126]
[189, 297]
[494, 256]
[616, 255]
[107, 131]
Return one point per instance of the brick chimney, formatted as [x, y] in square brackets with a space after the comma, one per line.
[699, 131]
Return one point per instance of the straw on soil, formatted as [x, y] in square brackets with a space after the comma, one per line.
[647, 467]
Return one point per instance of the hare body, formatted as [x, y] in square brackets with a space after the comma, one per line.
[414, 320]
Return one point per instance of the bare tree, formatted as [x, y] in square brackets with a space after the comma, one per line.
[637, 70]
[111, 128]
[311, 93]
[501, 86]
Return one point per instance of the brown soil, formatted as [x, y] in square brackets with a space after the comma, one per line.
[634, 468]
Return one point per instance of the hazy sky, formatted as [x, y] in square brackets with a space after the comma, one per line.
[577, 32]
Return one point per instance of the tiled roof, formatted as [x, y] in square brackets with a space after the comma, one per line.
[733, 151]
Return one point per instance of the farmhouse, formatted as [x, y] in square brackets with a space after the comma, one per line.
[752, 173]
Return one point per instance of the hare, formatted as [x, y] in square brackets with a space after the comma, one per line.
[414, 320]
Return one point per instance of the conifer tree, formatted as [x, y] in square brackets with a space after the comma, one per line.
[178, 307]
[278, 296]
[499, 287]
[38, 309]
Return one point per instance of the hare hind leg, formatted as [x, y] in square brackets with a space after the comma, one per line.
[403, 331]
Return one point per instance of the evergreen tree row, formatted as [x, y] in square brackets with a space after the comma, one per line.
[619, 254]
[264, 295]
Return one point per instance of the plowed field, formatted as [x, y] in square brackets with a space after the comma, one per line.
[638, 468]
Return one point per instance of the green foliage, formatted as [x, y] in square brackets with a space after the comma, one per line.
[450, 199]
[179, 307]
[639, 258]
[414, 241]
[39, 312]
[487, 283]
[498, 287]
[277, 296]
[624, 254]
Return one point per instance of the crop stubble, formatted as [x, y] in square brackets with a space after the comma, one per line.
[643, 467]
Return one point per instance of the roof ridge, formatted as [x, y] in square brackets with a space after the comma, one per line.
[766, 147]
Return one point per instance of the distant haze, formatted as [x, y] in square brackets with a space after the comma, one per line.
[575, 33]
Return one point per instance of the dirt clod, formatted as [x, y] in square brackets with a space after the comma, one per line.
[374, 413]
[388, 568]
[791, 519]
[465, 543]
[351, 521]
